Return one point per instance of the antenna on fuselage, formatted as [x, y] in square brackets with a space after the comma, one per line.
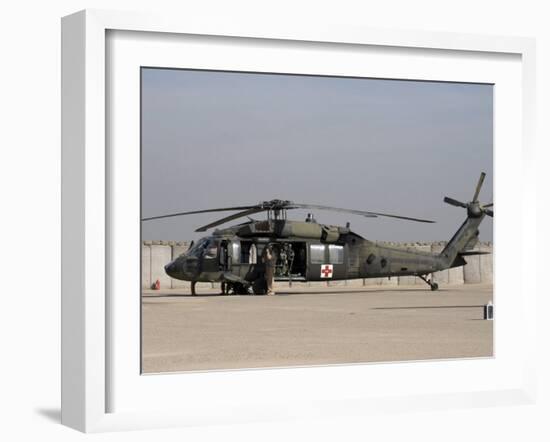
[310, 218]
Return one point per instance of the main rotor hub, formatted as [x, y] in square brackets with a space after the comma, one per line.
[276, 208]
[276, 204]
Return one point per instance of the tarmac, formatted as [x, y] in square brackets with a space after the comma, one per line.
[303, 326]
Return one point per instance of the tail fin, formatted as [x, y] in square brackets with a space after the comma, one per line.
[465, 237]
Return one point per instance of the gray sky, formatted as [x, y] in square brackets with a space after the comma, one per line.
[213, 139]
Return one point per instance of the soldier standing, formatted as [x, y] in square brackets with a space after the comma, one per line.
[252, 254]
[268, 259]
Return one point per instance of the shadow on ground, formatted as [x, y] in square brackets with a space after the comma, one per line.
[51, 414]
[285, 293]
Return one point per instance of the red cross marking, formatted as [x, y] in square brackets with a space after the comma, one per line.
[326, 271]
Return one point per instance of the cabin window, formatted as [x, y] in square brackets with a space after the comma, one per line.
[317, 253]
[336, 254]
[236, 250]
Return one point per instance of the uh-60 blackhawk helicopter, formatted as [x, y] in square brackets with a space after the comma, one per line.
[309, 251]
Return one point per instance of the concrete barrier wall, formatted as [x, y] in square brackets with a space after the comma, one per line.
[355, 283]
[472, 270]
[160, 256]
[486, 263]
[317, 284]
[456, 276]
[156, 254]
[145, 266]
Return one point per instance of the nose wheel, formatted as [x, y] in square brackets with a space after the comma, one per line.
[433, 285]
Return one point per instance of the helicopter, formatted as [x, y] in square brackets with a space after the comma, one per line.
[310, 251]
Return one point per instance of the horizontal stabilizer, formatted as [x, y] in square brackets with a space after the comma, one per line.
[473, 252]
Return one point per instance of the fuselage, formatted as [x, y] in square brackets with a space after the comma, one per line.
[306, 251]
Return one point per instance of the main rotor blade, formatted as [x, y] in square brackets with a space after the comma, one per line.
[230, 218]
[489, 212]
[488, 205]
[277, 205]
[408, 218]
[479, 184]
[224, 209]
[454, 202]
[356, 212]
[333, 209]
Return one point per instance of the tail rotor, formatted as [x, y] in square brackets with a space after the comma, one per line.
[474, 207]
[478, 187]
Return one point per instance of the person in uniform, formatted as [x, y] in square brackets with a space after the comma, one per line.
[268, 258]
[252, 254]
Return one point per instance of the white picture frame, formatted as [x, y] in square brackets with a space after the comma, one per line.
[87, 317]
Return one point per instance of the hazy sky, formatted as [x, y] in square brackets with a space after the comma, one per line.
[213, 139]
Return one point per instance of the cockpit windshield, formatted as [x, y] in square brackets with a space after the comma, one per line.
[196, 249]
[207, 245]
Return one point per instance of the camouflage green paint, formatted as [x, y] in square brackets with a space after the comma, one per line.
[362, 258]
[211, 259]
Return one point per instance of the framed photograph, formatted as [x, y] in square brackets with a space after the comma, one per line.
[229, 137]
[278, 146]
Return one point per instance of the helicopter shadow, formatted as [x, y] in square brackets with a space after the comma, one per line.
[342, 292]
[185, 295]
[427, 307]
[286, 293]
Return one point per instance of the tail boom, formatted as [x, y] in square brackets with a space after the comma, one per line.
[463, 240]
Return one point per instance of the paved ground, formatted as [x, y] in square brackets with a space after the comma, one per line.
[309, 326]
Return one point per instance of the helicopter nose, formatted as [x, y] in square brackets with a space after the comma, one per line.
[170, 268]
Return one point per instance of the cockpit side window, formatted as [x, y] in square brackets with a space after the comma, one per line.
[211, 249]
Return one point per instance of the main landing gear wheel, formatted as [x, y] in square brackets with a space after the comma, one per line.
[240, 289]
[434, 286]
[236, 288]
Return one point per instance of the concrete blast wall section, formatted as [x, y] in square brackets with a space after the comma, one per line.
[156, 254]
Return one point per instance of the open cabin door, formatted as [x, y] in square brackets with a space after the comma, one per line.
[291, 261]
